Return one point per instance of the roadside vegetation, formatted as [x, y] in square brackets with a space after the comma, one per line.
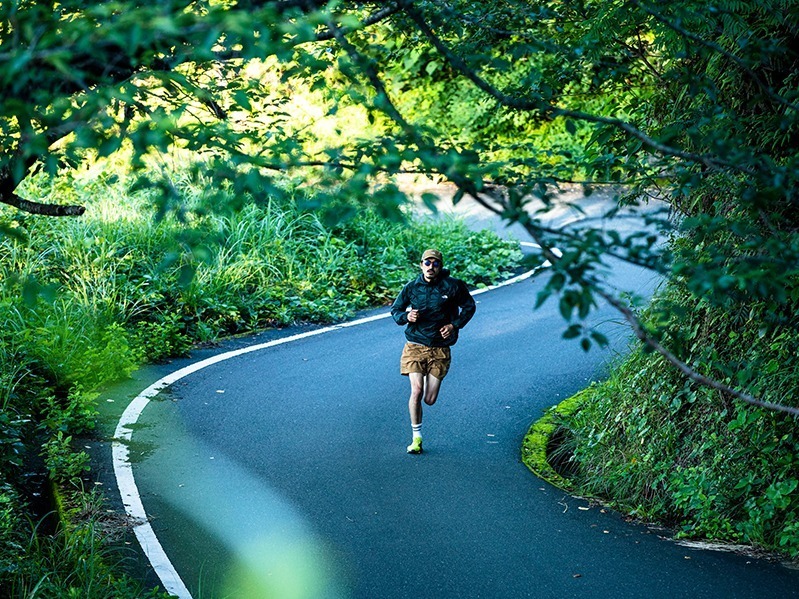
[85, 302]
[671, 451]
[697, 428]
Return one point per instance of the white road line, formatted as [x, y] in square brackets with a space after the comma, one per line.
[123, 469]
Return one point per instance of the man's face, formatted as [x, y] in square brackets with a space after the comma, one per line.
[430, 268]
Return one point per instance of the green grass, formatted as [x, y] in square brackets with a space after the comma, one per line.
[75, 561]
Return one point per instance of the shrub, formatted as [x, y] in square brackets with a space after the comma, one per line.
[670, 450]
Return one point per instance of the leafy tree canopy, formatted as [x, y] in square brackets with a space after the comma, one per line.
[690, 102]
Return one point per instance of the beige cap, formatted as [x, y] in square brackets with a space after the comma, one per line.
[433, 254]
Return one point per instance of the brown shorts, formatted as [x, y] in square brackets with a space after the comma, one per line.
[425, 360]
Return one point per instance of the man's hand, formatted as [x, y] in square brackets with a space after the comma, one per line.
[413, 315]
[446, 330]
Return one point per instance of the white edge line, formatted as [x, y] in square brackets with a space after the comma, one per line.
[511, 281]
[123, 469]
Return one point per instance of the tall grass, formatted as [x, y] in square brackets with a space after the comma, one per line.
[75, 562]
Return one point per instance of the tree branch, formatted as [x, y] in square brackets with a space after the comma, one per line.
[501, 33]
[689, 372]
[466, 186]
[640, 53]
[640, 332]
[41, 209]
[323, 36]
[550, 111]
[373, 18]
[8, 185]
[383, 100]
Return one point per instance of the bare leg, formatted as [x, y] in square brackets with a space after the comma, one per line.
[415, 410]
[415, 401]
[432, 386]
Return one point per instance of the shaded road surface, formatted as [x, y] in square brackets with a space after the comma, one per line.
[283, 473]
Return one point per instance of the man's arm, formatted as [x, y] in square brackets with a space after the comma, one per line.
[398, 312]
[466, 304]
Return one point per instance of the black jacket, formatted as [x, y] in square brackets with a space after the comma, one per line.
[444, 301]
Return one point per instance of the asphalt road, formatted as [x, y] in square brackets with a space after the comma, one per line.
[283, 473]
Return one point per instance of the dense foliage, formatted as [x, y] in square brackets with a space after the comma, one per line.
[692, 104]
[669, 450]
[717, 91]
[658, 444]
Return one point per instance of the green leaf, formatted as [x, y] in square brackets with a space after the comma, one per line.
[542, 297]
[566, 306]
[571, 127]
[599, 338]
[430, 201]
[186, 275]
[242, 99]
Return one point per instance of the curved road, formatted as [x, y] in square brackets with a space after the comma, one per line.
[282, 473]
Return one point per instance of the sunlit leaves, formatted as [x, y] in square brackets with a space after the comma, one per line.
[696, 93]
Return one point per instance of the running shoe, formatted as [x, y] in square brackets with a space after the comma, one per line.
[415, 446]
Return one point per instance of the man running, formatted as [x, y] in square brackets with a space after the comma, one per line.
[440, 306]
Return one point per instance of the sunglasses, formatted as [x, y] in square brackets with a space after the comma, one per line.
[433, 263]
